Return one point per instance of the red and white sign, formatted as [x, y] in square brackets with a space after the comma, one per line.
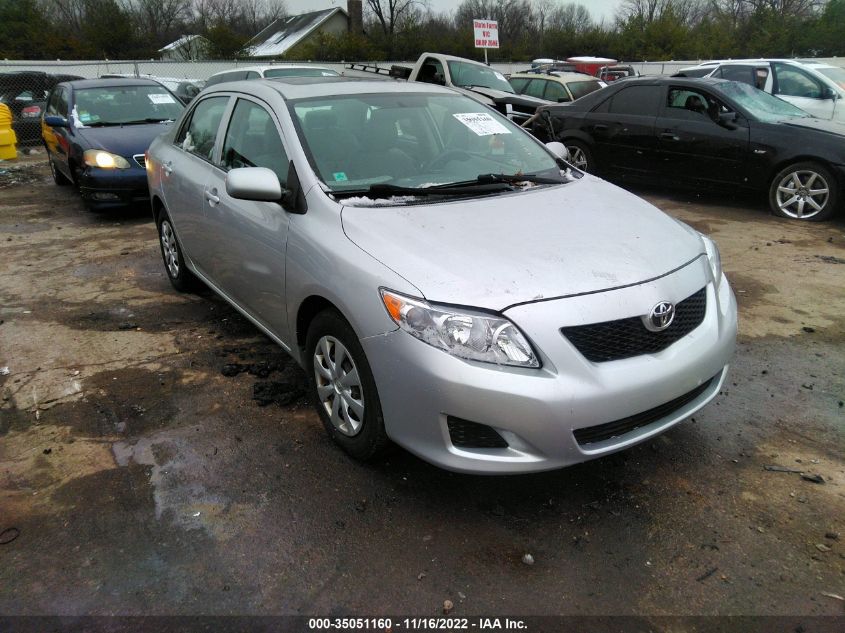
[486, 33]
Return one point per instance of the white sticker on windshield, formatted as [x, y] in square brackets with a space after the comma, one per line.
[160, 99]
[481, 123]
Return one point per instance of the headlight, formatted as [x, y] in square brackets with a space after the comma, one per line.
[714, 258]
[104, 160]
[485, 338]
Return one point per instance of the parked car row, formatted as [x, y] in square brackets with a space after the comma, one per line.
[359, 225]
[25, 93]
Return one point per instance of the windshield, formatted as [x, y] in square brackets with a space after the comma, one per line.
[836, 74]
[413, 140]
[300, 72]
[761, 105]
[125, 104]
[468, 75]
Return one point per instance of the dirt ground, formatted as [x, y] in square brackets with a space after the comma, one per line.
[139, 474]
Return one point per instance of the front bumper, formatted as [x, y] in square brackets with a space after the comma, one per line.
[102, 188]
[537, 411]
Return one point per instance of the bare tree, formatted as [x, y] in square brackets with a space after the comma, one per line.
[390, 13]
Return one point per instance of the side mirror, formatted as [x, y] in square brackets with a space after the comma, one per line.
[828, 93]
[559, 150]
[254, 183]
[727, 120]
[56, 121]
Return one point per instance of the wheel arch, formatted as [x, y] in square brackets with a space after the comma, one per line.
[310, 307]
[792, 160]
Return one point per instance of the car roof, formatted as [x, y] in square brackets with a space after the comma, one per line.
[119, 82]
[261, 69]
[307, 87]
[565, 77]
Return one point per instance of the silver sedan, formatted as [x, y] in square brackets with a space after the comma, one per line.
[446, 281]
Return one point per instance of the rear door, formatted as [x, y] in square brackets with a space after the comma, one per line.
[250, 237]
[186, 165]
[623, 130]
[694, 146]
[800, 88]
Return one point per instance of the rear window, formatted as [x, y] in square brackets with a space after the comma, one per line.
[581, 88]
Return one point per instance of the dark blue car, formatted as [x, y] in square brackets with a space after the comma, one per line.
[96, 132]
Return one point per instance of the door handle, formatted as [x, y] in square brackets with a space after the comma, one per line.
[601, 127]
[166, 167]
[669, 136]
[211, 196]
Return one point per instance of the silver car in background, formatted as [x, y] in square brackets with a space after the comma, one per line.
[446, 281]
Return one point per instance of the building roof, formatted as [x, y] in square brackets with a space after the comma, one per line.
[182, 41]
[285, 33]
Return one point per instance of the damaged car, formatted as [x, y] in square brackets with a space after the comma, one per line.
[447, 282]
[705, 133]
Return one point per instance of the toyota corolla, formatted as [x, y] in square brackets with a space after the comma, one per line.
[446, 281]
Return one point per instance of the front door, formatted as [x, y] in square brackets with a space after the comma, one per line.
[250, 237]
[799, 88]
[694, 145]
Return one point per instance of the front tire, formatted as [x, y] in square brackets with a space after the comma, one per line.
[804, 191]
[58, 177]
[343, 387]
[580, 156]
[180, 277]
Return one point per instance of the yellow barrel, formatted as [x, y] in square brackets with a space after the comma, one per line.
[7, 134]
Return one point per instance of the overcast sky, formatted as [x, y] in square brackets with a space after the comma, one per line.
[600, 9]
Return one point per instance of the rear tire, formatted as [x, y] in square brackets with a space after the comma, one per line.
[180, 277]
[580, 156]
[804, 191]
[343, 388]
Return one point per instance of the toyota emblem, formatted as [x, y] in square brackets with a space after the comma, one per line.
[661, 317]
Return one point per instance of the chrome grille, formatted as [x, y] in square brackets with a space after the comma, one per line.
[139, 158]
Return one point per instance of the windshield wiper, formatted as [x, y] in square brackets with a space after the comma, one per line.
[384, 190]
[100, 123]
[147, 120]
[516, 178]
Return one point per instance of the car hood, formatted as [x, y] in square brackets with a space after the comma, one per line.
[493, 252]
[812, 123]
[126, 140]
[500, 96]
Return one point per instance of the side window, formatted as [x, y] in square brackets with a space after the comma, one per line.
[536, 88]
[53, 103]
[252, 75]
[555, 92]
[518, 84]
[639, 100]
[234, 75]
[432, 72]
[61, 103]
[683, 103]
[745, 74]
[198, 134]
[252, 140]
[794, 82]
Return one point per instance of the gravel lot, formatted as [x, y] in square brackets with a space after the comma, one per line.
[139, 474]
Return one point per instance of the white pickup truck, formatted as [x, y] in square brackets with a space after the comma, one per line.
[472, 78]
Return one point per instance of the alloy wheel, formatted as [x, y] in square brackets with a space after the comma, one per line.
[339, 385]
[802, 194]
[578, 158]
[170, 248]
